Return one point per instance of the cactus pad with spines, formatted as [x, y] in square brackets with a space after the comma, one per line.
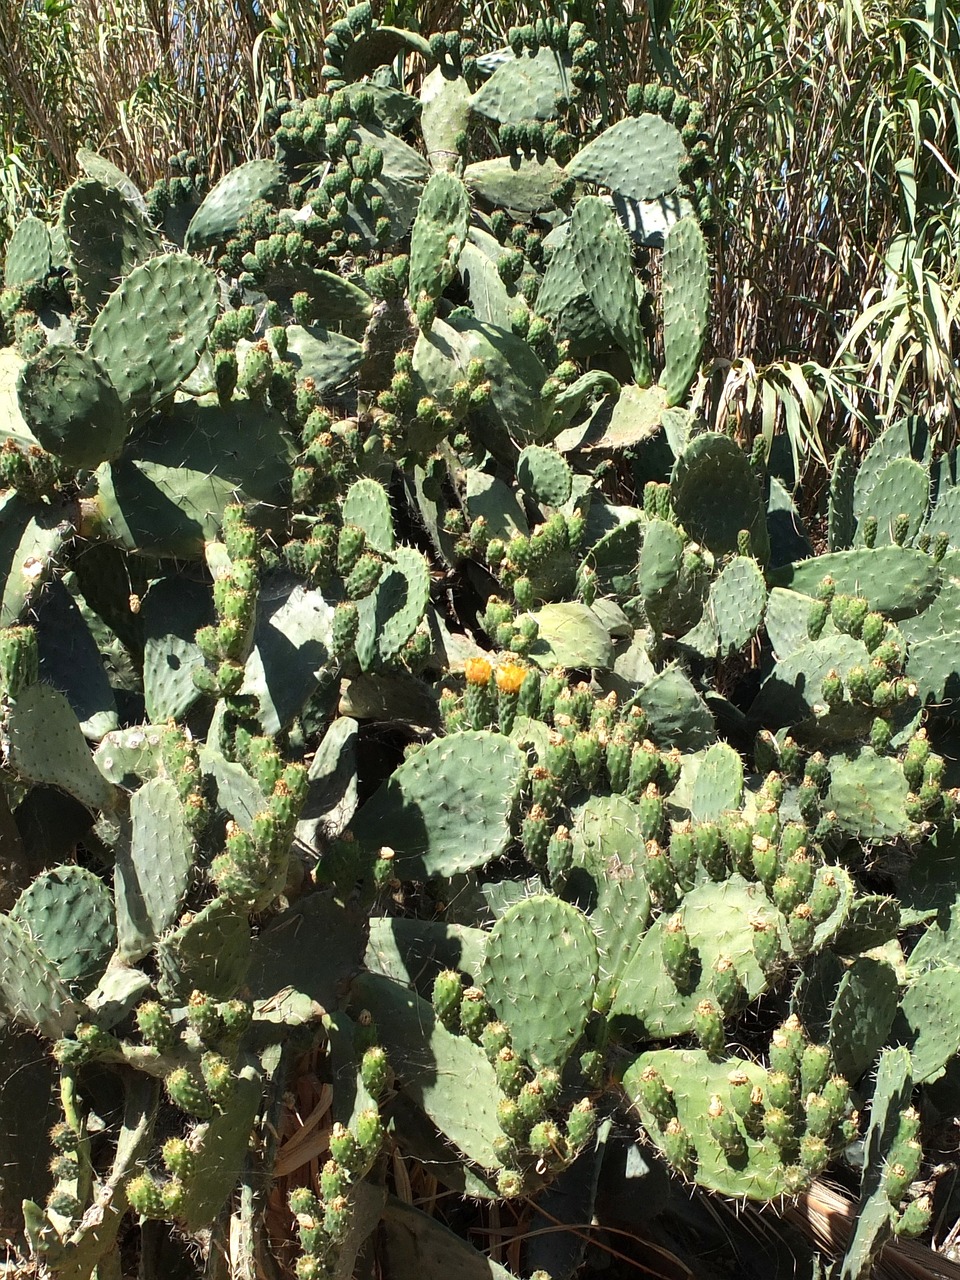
[686, 301]
[68, 912]
[72, 407]
[151, 330]
[412, 810]
[545, 1006]
[719, 920]
[638, 158]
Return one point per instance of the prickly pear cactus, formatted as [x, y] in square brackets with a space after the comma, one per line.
[453, 770]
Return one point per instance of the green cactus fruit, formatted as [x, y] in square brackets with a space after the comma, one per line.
[655, 1095]
[548, 1144]
[188, 1093]
[474, 1013]
[203, 1016]
[676, 951]
[494, 1037]
[658, 871]
[447, 998]
[156, 1026]
[479, 693]
[173, 1195]
[376, 1072]
[336, 1219]
[873, 631]
[727, 987]
[345, 1150]
[766, 946]
[814, 1155]
[786, 893]
[532, 1102]
[644, 768]
[589, 757]
[897, 1178]
[780, 1129]
[738, 837]
[683, 855]
[346, 625]
[786, 1048]
[510, 679]
[815, 1064]
[350, 547]
[334, 1182]
[820, 1117]
[619, 751]
[801, 929]
[19, 659]
[144, 1195]
[370, 1135]
[581, 1123]
[510, 1070]
[679, 1148]
[708, 1025]
[218, 1078]
[559, 855]
[915, 759]
[535, 834]
[765, 860]
[725, 1130]
[915, 1218]
[711, 853]
[364, 577]
[836, 1093]
[509, 1184]
[780, 1091]
[180, 1159]
[511, 1120]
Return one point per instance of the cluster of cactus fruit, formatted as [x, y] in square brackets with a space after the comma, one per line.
[350, 438]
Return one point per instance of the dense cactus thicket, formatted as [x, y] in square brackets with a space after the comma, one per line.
[405, 689]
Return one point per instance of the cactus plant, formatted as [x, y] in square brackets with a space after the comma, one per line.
[417, 744]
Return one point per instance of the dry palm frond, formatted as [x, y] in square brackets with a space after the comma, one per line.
[826, 1214]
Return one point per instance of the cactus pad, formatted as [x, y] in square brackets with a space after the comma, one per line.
[107, 238]
[686, 306]
[219, 215]
[448, 808]
[44, 743]
[68, 912]
[694, 1080]
[153, 871]
[719, 921]
[150, 333]
[638, 158]
[31, 990]
[543, 1000]
[71, 406]
[28, 257]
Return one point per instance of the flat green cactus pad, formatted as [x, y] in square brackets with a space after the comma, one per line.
[219, 215]
[448, 807]
[897, 581]
[68, 912]
[524, 88]
[445, 1075]
[44, 743]
[717, 918]
[31, 990]
[695, 1079]
[639, 158]
[543, 997]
